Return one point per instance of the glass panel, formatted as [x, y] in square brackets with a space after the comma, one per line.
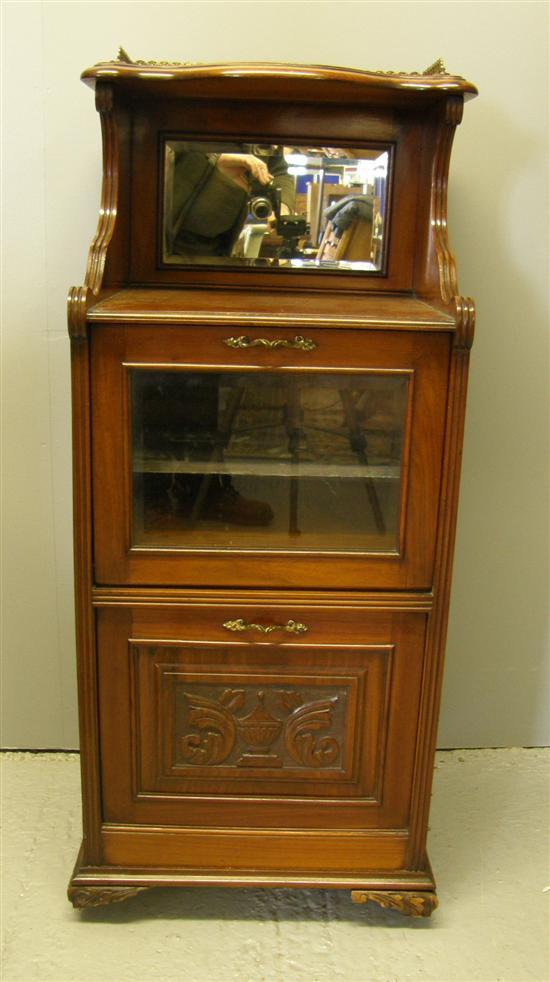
[267, 461]
[264, 205]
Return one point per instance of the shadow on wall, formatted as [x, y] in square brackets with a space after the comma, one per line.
[497, 653]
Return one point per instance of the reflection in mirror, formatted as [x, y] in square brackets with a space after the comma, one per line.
[275, 206]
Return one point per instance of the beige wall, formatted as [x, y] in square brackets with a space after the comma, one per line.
[494, 693]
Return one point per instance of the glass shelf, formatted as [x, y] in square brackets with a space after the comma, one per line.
[261, 468]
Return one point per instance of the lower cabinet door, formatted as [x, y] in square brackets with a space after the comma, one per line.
[241, 734]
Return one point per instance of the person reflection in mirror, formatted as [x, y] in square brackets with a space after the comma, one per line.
[244, 168]
[211, 194]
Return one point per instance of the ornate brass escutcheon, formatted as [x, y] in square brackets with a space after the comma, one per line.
[298, 343]
[291, 627]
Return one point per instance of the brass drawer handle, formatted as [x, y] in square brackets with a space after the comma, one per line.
[299, 343]
[291, 627]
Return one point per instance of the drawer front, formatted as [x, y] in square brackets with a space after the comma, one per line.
[267, 459]
[313, 731]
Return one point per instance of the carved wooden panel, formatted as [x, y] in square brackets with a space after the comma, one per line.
[255, 728]
[265, 726]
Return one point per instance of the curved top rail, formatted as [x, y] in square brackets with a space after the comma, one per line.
[434, 79]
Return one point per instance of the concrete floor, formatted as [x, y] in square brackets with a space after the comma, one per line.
[488, 847]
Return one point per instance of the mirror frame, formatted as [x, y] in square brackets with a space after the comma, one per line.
[259, 122]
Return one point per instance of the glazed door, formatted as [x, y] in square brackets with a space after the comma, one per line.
[266, 460]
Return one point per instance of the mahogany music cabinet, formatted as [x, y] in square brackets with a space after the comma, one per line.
[269, 364]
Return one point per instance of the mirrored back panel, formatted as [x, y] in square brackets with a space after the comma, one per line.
[273, 206]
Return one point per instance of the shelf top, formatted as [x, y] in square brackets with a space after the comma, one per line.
[242, 307]
[262, 467]
[265, 78]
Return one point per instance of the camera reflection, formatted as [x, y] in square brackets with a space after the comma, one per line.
[252, 204]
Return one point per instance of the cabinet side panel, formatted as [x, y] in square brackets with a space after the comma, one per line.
[437, 626]
[85, 632]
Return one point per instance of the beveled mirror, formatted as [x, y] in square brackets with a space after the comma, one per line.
[291, 207]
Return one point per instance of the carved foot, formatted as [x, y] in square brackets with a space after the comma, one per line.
[413, 904]
[100, 896]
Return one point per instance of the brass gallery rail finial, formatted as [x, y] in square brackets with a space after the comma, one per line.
[125, 59]
[437, 68]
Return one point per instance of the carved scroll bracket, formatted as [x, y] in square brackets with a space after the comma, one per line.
[454, 108]
[406, 902]
[465, 322]
[104, 97]
[78, 301]
[450, 119]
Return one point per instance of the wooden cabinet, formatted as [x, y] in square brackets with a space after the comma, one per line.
[266, 457]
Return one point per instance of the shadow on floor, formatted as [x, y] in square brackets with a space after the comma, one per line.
[238, 904]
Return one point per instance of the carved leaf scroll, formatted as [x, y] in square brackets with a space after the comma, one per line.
[290, 699]
[301, 742]
[233, 699]
[217, 727]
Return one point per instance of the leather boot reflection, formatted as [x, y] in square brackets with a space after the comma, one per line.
[224, 503]
[174, 503]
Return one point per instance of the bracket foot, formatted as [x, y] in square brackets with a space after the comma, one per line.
[100, 896]
[406, 902]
